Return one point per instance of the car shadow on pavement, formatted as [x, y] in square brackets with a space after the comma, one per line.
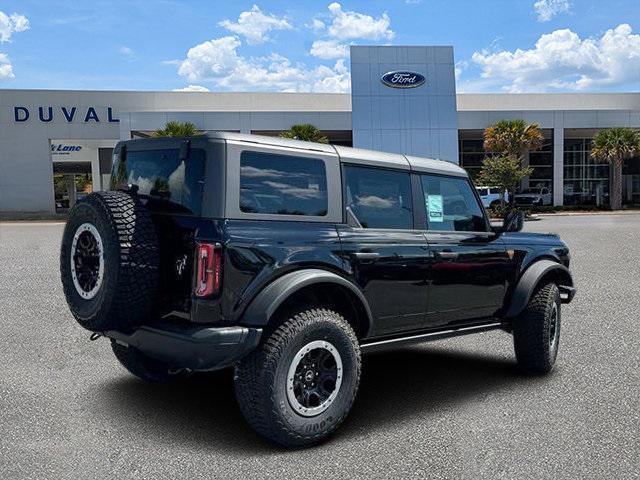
[396, 386]
[402, 385]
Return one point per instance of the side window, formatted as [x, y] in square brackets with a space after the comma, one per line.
[379, 198]
[483, 192]
[451, 205]
[282, 184]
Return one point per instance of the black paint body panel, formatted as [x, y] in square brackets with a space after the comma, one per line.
[408, 287]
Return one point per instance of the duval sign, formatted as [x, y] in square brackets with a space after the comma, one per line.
[403, 79]
[67, 114]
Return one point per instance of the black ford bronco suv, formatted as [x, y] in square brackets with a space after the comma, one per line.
[287, 259]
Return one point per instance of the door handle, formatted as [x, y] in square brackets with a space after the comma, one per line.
[447, 255]
[367, 256]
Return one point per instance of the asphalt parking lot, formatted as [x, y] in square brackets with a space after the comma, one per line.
[456, 408]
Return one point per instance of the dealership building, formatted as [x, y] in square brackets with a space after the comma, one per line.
[50, 137]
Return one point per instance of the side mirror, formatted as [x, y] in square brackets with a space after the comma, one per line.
[513, 222]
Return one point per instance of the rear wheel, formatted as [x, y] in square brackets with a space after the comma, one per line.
[299, 386]
[536, 331]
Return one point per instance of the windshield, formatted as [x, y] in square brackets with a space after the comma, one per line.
[168, 182]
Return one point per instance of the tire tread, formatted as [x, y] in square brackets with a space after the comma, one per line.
[255, 380]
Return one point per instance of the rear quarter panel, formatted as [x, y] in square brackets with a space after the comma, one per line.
[256, 252]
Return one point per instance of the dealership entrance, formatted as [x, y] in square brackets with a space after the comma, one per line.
[71, 182]
[79, 167]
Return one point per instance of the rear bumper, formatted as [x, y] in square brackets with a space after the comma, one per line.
[192, 347]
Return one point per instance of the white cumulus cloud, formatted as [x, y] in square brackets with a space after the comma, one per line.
[329, 49]
[316, 25]
[10, 24]
[6, 69]
[561, 60]
[255, 24]
[547, 9]
[347, 25]
[192, 88]
[218, 61]
[211, 59]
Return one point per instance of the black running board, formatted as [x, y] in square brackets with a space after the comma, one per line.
[373, 346]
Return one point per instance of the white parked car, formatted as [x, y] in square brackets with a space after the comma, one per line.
[533, 196]
[490, 196]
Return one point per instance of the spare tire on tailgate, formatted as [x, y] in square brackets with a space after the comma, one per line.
[109, 262]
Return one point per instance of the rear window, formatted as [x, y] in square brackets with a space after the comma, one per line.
[282, 184]
[167, 181]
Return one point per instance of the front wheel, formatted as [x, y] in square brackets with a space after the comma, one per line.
[536, 331]
[298, 387]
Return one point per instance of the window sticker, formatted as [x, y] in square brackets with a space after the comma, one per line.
[434, 208]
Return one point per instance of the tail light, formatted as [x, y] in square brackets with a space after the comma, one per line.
[209, 269]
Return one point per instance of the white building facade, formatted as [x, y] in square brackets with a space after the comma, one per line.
[403, 100]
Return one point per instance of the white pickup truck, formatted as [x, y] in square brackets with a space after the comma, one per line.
[490, 196]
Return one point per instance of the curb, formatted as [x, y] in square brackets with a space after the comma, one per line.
[577, 214]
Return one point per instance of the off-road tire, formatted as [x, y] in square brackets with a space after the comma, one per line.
[131, 259]
[144, 367]
[261, 379]
[533, 330]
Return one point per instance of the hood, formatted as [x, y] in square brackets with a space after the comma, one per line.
[531, 238]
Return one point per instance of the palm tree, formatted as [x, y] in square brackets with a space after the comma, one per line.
[306, 132]
[513, 137]
[178, 129]
[614, 146]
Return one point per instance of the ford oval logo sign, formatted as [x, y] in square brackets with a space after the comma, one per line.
[402, 79]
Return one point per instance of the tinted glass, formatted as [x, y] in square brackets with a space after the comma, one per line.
[170, 183]
[451, 205]
[379, 198]
[282, 184]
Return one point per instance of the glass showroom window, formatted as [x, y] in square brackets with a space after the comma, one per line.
[635, 188]
[586, 182]
[542, 163]
[472, 155]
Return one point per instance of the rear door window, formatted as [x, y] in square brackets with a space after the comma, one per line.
[379, 198]
[169, 183]
[282, 184]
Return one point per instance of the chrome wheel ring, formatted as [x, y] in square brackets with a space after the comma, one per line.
[87, 261]
[314, 378]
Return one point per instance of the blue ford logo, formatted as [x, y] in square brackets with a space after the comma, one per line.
[401, 79]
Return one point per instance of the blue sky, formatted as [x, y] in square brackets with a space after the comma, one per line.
[275, 45]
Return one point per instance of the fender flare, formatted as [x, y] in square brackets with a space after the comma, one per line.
[530, 279]
[274, 294]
